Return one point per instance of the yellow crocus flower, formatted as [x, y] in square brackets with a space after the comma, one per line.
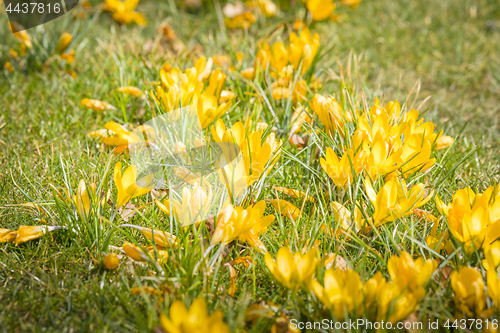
[130, 90]
[241, 21]
[342, 292]
[444, 142]
[96, 105]
[259, 156]
[468, 285]
[234, 176]
[111, 261]
[267, 7]
[330, 113]
[196, 319]
[381, 160]
[27, 233]
[394, 304]
[194, 206]
[82, 199]
[493, 284]
[134, 252]
[371, 289]
[161, 239]
[63, 42]
[411, 274]
[394, 200]
[345, 219]
[303, 47]
[128, 186]
[320, 9]
[236, 134]
[22, 36]
[415, 154]
[492, 255]
[293, 270]
[216, 82]
[286, 208]
[279, 56]
[245, 224]
[114, 134]
[473, 219]
[208, 109]
[342, 171]
[378, 125]
[123, 11]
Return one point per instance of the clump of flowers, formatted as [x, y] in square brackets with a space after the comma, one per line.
[473, 218]
[293, 270]
[470, 296]
[124, 11]
[195, 319]
[245, 224]
[186, 88]
[344, 293]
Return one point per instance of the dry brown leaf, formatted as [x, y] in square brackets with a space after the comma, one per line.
[411, 320]
[158, 194]
[340, 263]
[258, 310]
[127, 212]
[298, 141]
[210, 224]
[446, 271]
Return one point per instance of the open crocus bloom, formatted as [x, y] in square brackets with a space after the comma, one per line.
[128, 187]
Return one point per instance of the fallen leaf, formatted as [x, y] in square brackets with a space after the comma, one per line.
[127, 212]
[329, 260]
[446, 271]
[340, 263]
[298, 141]
[411, 320]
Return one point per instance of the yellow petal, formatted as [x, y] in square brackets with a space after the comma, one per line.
[286, 208]
[111, 261]
[7, 235]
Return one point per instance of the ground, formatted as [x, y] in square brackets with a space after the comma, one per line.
[441, 57]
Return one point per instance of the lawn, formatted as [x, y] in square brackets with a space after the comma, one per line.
[376, 223]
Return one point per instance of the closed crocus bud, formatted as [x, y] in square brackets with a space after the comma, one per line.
[111, 261]
[27, 233]
[64, 42]
[130, 90]
[134, 252]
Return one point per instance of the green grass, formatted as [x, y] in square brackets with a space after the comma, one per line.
[449, 49]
